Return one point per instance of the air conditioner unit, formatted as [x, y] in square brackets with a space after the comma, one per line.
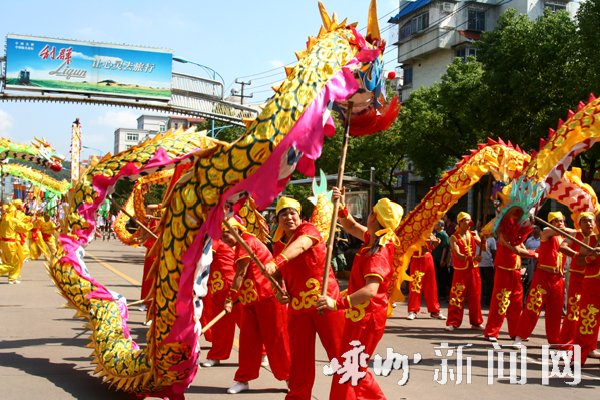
[447, 6]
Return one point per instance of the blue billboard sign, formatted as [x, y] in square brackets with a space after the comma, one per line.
[44, 64]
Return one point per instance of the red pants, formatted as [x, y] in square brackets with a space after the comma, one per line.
[422, 271]
[263, 322]
[589, 308]
[302, 329]
[465, 283]
[507, 300]
[223, 332]
[368, 331]
[546, 291]
[569, 326]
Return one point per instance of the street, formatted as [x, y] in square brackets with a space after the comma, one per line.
[43, 353]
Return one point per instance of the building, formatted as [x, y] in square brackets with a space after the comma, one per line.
[149, 126]
[431, 33]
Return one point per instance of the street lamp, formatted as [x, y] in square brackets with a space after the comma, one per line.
[93, 148]
[211, 71]
[214, 75]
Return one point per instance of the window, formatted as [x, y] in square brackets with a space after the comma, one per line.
[556, 5]
[132, 137]
[417, 24]
[476, 20]
[162, 128]
[464, 52]
[408, 75]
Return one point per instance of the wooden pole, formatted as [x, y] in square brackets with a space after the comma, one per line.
[217, 318]
[565, 234]
[336, 203]
[260, 265]
[144, 227]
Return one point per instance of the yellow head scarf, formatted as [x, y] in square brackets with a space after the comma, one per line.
[555, 215]
[234, 223]
[586, 214]
[287, 202]
[388, 215]
[17, 202]
[282, 203]
[462, 215]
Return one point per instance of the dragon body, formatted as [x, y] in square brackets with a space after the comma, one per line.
[288, 134]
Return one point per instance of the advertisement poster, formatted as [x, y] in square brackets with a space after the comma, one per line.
[55, 65]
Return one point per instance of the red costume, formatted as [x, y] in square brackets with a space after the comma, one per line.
[263, 321]
[589, 308]
[546, 290]
[422, 272]
[507, 295]
[303, 277]
[465, 282]
[221, 275]
[568, 329]
[365, 322]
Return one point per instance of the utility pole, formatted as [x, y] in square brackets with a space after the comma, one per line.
[75, 150]
[241, 95]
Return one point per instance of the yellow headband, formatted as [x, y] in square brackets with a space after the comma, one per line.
[388, 215]
[287, 202]
[586, 214]
[555, 215]
[234, 223]
[462, 215]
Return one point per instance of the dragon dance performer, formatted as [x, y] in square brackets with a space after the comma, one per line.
[48, 230]
[586, 334]
[507, 295]
[300, 256]
[222, 271]
[576, 276]
[263, 320]
[37, 245]
[547, 285]
[466, 280]
[366, 303]
[23, 245]
[12, 229]
[422, 272]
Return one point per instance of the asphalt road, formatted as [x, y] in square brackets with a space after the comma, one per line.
[43, 354]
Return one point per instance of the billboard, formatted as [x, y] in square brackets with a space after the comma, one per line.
[44, 64]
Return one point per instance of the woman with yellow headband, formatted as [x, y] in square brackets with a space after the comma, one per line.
[578, 271]
[366, 303]
[547, 286]
[300, 256]
[264, 319]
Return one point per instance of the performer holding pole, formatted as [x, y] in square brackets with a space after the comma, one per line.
[366, 304]
[264, 320]
[300, 260]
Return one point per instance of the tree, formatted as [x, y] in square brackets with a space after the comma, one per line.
[530, 75]
[441, 123]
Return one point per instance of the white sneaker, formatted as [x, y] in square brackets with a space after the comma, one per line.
[449, 328]
[264, 362]
[238, 387]
[210, 363]
[438, 315]
[517, 344]
[478, 327]
[411, 316]
[491, 339]
[14, 282]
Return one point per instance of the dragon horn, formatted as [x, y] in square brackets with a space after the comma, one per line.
[373, 33]
[324, 16]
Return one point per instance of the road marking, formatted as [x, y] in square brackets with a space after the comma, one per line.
[116, 271]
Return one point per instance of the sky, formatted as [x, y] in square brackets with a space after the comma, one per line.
[240, 39]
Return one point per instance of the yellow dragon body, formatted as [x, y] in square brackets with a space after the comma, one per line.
[288, 134]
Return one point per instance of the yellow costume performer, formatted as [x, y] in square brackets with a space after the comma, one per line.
[11, 230]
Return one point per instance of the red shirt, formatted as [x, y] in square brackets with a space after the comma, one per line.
[255, 286]
[467, 248]
[222, 268]
[549, 254]
[303, 275]
[365, 265]
[575, 263]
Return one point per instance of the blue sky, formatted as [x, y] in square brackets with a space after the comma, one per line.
[247, 40]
